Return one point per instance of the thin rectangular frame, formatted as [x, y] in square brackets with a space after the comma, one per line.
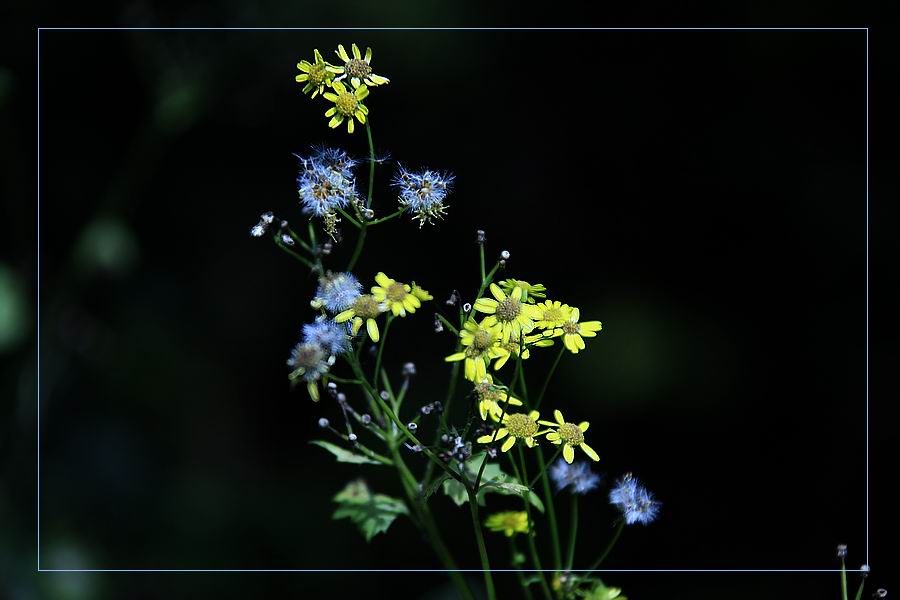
[38, 542]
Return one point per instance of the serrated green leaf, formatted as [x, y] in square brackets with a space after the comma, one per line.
[372, 513]
[434, 486]
[343, 455]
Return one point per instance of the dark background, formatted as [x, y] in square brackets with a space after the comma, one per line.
[701, 193]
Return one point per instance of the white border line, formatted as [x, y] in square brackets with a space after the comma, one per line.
[40, 29]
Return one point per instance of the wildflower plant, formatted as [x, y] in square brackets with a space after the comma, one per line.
[484, 442]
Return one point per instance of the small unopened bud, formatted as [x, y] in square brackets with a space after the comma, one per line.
[341, 397]
[438, 407]
[480, 237]
[453, 300]
[327, 247]
[409, 369]
[438, 326]
[284, 224]
[864, 571]
[369, 214]
[287, 240]
[332, 385]
[426, 410]
[412, 426]
[384, 395]
[352, 437]
[467, 307]
[323, 422]
[880, 593]
[415, 448]
[366, 419]
[842, 551]
[258, 230]
[505, 255]
[267, 217]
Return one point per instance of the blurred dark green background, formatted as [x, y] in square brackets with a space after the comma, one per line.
[701, 193]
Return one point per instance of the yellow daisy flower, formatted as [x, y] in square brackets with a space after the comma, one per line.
[347, 104]
[398, 297]
[421, 293]
[489, 398]
[571, 435]
[529, 291]
[358, 68]
[509, 522]
[365, 309]
[518, 426]
[479, 341]
[513, 347]
[507, 311]
[552, 314]
[316, 74]
[573, 331]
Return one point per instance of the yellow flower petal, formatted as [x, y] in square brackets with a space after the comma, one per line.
[590, 452]
[372, 329]
[568, 453]
[509, 443]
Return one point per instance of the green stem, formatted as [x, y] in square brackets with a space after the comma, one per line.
[843, 580]
[482, 550]
[281, 245]
[609, 546]
[551, 509]
[381, 344]
[540, 398]
[481, 260]
[387, 218]
[486, 281]
[547, 464]
[513, 551]
[360, 242]
[299, 240]
[535, 557]
[371, 162]
[342, 380]
[859, 590]
[350, 218]
[447, 324]
[573, 532]
[494, 437]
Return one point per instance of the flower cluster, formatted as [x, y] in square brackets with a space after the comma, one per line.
[576, 476]
[422, 193]
[356, 69]
[635, 502]
[326, 185]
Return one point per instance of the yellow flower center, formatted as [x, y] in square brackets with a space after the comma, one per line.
[511, 521]
[486, 391]
[571, 434]
[358, 68]
[571, 327]
[508, 309]
[317, 73]
[396, 292]
[346, 103]
[521, 425]
[482, 340]
[366, 307]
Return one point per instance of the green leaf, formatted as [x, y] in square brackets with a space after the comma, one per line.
[343, 455]
[434, 486]
[372, 513]
[493, 479]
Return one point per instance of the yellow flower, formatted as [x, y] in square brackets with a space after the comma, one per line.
[507, 311]
[509, 522]
[512, 347]
[399, 297]
[365, 309]
[347, 104]
[358, 68]
[479, 341]
[317, 74]
[552, 314]
[489, 398]
[529, 291]
[571, 435]
[518, 426]
[421, 293]
[573, 331]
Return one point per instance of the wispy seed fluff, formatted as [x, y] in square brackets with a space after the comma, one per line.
[635, 502]
[325, 184]
[331, 336]
[336, 292]
[422, 193]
